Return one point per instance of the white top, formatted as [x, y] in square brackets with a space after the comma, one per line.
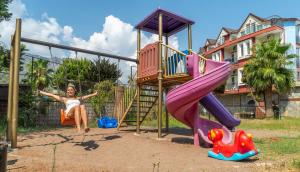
[71, 103]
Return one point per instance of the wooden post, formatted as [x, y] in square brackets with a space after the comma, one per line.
[10, 91]
[166, 90]
[138, 115]
[119, 93]
[189, 37]
[15, 98]
[3, 156]
[160, 77]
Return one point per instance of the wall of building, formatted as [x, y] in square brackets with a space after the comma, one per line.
[290, 104]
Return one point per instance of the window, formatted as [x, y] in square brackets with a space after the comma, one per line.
[298, 34]
[248, 47]
[247, 28]
[298, 58]
[244, 49]
[232, 79]
[222, 40]
[243, 33]
[259, 27]
[232, 36]
[241, 52]
[253, 28]
[216, 56]
[240, 76]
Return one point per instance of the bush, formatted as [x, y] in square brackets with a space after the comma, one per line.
[105, 92]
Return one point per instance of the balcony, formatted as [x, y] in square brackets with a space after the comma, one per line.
[259, 33]
[252, 28]
[232, 60]
[231, 87]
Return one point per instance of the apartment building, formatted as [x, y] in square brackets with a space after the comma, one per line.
[235, 46]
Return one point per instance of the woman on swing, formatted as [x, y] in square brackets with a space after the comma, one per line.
[74, 109]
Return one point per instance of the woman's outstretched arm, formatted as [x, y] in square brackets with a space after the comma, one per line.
[56, 97]
[89, 96]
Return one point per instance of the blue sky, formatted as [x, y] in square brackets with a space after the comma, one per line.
[210, 15]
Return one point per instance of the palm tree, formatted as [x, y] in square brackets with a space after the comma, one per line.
[39, 75]
[267, 69]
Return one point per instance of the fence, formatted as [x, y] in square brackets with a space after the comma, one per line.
[49, 114]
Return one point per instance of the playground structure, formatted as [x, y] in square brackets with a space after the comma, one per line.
[13, 91]
[162, 67]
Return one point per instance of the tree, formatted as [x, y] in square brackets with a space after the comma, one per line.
[38, 75]
[105, 92]
[4, 53]
[78, 71]
[4, 13]
[5, 58]
[85, 73]
[105, 70]
[267, 69]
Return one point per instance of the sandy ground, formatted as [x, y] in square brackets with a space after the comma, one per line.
[111, 150]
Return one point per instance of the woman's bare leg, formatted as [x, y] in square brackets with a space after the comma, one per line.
[84, 117]
[77, 117]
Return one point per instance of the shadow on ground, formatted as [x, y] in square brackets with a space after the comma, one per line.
[88, 145]
[182, 140]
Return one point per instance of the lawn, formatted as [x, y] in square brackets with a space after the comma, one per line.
[287, 123]
[285, 149]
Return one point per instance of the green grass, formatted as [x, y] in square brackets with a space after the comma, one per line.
[296, 163]
[285, 149]
[287, 123]
[277, 146]
[173, 123]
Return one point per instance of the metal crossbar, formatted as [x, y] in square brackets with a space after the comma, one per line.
[65, 47]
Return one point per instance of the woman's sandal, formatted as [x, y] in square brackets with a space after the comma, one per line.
[86, 130]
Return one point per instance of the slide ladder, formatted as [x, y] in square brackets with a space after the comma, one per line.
[148, 98]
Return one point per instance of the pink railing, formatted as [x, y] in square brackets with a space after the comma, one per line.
[148, 60]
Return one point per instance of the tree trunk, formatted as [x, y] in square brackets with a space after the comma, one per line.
[268, 103]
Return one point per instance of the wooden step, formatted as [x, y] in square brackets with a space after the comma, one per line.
[142, 106]
[149, 89]
[140, 111]
[146, 101]
[144, 95]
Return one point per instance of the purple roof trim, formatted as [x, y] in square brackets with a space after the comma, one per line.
[172, 23]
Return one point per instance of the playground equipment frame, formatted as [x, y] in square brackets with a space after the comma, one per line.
[13, 89]
[160, 76]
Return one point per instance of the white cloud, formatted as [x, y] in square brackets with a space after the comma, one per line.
[115, 36]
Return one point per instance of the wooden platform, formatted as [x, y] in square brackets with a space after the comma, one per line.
[167, 80]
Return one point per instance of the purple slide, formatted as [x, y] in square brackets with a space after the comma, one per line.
[216, 108]
[182, 101]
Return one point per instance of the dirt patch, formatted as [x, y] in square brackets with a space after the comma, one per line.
[112, 150]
